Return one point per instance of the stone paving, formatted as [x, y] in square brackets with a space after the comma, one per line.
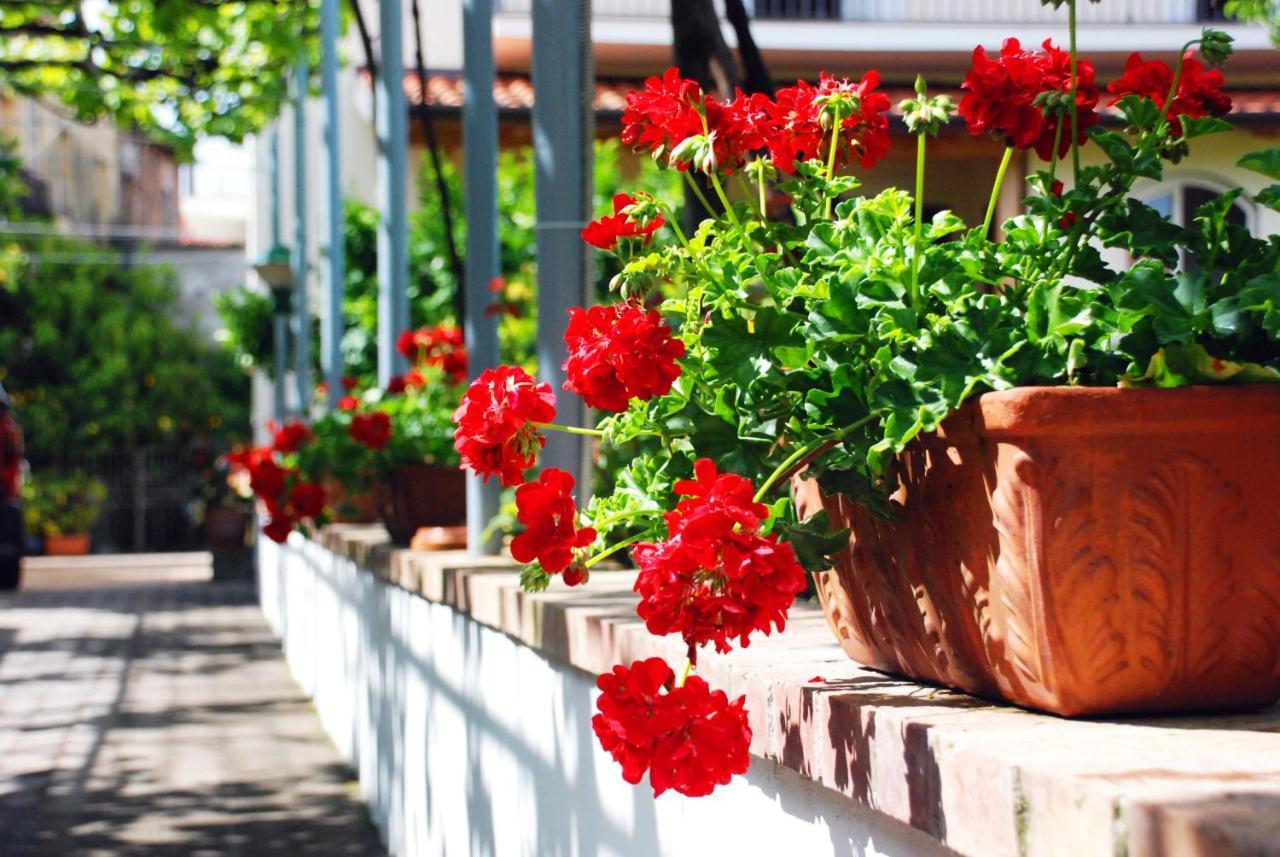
[160, 719]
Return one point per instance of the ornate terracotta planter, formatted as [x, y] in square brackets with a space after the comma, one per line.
[1080, 551]
[76, 544]
[423, 495]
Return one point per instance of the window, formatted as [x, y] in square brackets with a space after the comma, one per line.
[799, 9]
[1179, 200]
[1210, 10]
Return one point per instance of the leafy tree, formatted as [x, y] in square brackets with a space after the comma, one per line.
[175, 69]
[93, 356]
[1259, 11]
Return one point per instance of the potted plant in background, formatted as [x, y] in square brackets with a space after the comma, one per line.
[1038, 476]
[62, 507]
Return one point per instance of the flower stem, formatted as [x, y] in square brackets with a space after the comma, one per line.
[797, 456]
[995, 190]
[614, 548]
[724, 200]
[684, 673]
[675, 226]
[746, 194]
[831, 161]
[570, 429]
[697, 191]
[918, 237]
[1177, 81]
[1075, 90]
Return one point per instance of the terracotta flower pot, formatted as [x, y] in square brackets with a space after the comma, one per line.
[423, 495]
[352, 508]
[225, 528]
[76, 544]
[1080, 551]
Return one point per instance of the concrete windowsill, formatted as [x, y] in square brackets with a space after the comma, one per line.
[984, 779]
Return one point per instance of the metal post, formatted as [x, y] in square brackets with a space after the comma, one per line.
[393, 239]
[279, 321]
[335, 269]
[563, 81]
[302, 320]
[480, 142]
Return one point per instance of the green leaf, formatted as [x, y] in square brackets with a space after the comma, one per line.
[814, 544]
[1193, 127]
[1266, 162]
[534, 579]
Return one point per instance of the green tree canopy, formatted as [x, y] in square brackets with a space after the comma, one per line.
[175, 69]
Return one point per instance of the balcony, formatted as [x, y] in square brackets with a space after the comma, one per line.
[924, 11]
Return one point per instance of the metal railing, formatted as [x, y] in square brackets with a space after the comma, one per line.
[923, 11]
[149, 496]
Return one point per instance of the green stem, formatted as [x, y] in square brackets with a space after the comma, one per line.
[764, 205]
[1053, 170]
[622, 516]
[995, 190]
[919, 230]
[724, 200]
[570, 429]
[614, 548]
[697, 191]
[831, 161]
[796, 457]
[675, 225]
[1075, 89]
[684, 673]
[746, 193]
[1177, 80]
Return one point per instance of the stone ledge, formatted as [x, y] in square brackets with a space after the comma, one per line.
[987, 780]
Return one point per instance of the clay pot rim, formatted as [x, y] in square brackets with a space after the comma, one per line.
[1061, 411]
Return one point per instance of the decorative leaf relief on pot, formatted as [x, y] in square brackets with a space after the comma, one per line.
[1178, 529]
[1015, 621]
[1258, 638]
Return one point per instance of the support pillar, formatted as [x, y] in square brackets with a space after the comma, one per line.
[480, 147]
[393, 181]
[302, 306]
[335, 262]
[564, 83]
[280, 317]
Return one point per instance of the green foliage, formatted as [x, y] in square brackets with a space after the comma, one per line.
[176, 69]
[812, 343]
[94, 358]
[247, 317]
[1259, 12]
[62, 503]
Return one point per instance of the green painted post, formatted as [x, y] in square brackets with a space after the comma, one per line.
[335, 263]
[393, 181]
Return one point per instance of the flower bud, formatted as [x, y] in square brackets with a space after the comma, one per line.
[1215, 47]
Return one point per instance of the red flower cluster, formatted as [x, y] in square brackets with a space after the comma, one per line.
[1006, 96]
[716, 578]
[1199, 91]
[348, 403]
[287, 498]
[689, 738]
[436, 346]
[547, 510]
[290, 436]
[794, 125]
[606, 232]
[495, 434]
[371, 429]
[617, 353]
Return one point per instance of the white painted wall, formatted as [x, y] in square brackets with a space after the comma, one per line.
[470, 744]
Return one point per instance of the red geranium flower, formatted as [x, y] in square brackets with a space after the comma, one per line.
[266, 478]
[371, 429]
[1199, 91]
[607, 231]
[689, 738]
[495, 434]
[436, 346]
[307, 499]
[1001, 96]
[797, 132]
[290, 436]
[348, 403]
[715, 578]
[278, 529]
[396, 385]
[663, 114]
[350, 382]
[617, 353]
[547, 510]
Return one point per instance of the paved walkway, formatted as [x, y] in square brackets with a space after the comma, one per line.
[159, 719]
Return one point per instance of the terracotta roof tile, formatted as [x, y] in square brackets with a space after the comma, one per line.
[515, 92]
